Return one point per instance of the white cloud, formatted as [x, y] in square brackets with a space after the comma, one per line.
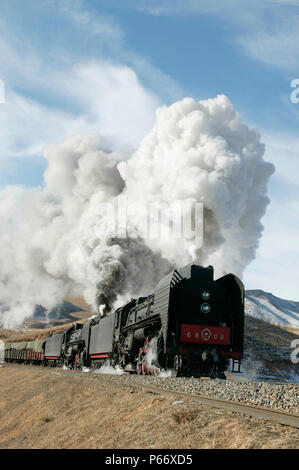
[107, 98]
[277, 47]
[268, 30]
[96, 24]
[116, 97]
[53, 93]
[27, 126]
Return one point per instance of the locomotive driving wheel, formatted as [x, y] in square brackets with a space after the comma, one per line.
[177, 365]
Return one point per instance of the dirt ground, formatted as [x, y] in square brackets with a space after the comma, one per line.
[48, 408]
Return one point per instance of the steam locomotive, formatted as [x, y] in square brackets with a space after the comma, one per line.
[191, 324]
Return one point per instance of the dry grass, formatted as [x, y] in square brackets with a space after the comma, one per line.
[18, 335]
[295, 331]
[32, 334]
[49, 408]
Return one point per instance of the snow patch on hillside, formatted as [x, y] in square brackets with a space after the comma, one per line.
[269, 308]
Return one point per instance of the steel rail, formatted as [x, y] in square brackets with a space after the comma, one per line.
[278, 416]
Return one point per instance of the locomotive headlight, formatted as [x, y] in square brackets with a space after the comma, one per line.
[205, 295]
[205, 308]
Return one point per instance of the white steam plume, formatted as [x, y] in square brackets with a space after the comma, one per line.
[57, 240]
[202, 151]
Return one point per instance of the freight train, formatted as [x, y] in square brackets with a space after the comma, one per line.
[191, 324]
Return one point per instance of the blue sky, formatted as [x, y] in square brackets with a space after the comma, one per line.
[78, 66]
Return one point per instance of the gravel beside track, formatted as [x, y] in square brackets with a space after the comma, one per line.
[274, 396]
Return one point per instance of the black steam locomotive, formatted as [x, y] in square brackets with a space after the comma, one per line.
[191, 324]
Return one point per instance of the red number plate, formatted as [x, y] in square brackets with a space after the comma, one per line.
[205, 334]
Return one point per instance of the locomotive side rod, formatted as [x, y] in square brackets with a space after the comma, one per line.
[281, 417]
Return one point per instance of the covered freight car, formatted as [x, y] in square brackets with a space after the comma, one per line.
[53, 349]
[101, 340]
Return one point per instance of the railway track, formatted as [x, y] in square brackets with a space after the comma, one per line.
[281, 417]
[277, 416]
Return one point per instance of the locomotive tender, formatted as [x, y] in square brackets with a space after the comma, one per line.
[191, 324]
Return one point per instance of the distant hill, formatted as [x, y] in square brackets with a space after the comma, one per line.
[269, 308]
[72, 309]
[59, 312]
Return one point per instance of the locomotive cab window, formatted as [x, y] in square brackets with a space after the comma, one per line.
[141, 313]
[116, 321]
[132, 317]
